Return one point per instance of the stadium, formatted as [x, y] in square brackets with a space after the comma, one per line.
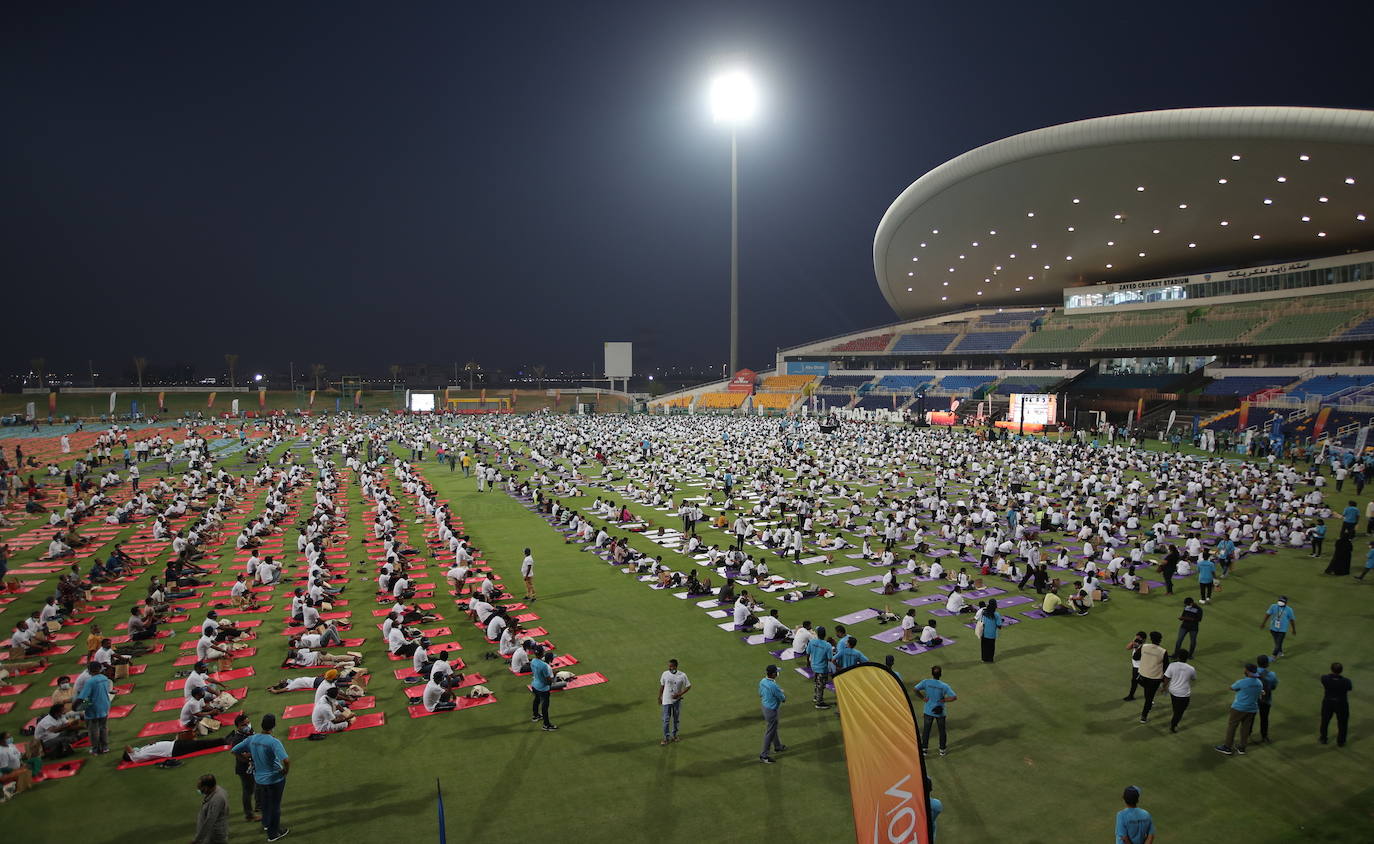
[1207, 264]
[1077, 541]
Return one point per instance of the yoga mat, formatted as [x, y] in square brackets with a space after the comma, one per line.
[840, 570]
[915, 648]
[856, 617]
[175, 703]
[1014, 600]
[925, 599]
[60, 770]
[160, 728]
[1034, 614]
[594, 679]
[864, 581]
[362, 722]
[888, 636]
[784, 654]
[1007, 621]
[418, 710]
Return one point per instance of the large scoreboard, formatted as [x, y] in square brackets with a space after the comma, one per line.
[1033, 409]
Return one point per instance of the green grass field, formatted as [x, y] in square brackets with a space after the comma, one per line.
[1041, 744]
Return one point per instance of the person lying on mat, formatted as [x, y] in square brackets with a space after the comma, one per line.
[297, 684]
[170, 749]
[330, 715]
[306, 658]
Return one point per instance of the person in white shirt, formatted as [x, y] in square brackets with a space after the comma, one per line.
[527, 572]
[957, 603]
[673, 685]
[437, 697]
[520, 660]
[909, 626]
[929, 636]
[1180, 677]
[773, 628]
[328, 716]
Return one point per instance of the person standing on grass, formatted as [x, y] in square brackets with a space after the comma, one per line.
[1368, 558]
[936, 693]
[271, 764]
[1188, 621]
[1248, 690]
[673, 685]
[96, 691]
[822, 655]
[1134, 647]
[527, 572]
[1271, 682]
[1133, 824]
[987, 633]
[243, 768]
[1206, 577]
[212, 823]
[1280, 620]
[1153, 660]
[771, 697]
[541, 684]
[1335, 701]
[1180, 676]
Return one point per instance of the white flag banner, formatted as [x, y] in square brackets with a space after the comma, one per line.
[234, 406]
[112, 400]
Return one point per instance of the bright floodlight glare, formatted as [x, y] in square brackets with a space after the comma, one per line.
[733, 97]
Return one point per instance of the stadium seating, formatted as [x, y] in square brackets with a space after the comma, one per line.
[988, 341]
[1326, 385]
[872, 343]
[676, 401]
[1365, 328]
[932, 343]
[786, 383]
[843, 383]
[1300, 327]
[902, 383]
[1244, 385]
[721, 401]
[1103, 381]
[1133, 334]
[1213, 331]
[825, 402]
[1027, 384]
[1009, 317]
[775, 401]
[880, 402]
[1060, 335]
[965, 382]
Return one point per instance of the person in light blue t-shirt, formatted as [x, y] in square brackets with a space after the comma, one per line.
[936, 693]
[1206, 577]
[1133, 824]
[771, 697]
[1248, 690]
[822, 655]
[987, 630]
[1280, 621]
[936, 807]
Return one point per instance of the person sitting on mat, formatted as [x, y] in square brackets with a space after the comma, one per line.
[929, 636]
[957, 603]
[437, 696]
[773, 628]
[331, 716]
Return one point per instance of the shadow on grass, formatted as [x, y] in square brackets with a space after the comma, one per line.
[991, 735]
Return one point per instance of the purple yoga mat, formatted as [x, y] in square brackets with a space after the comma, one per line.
[856, 617]
[1007, 621]
[917, 648]
[944, 613]
[1014, 600]
[925, 599]
[864, 581]
[756, 639]
[892, 635]
[1034, 614]
[806, 672]
[840, 570]
[784, 654]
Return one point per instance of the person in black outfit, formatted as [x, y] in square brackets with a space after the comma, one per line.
[1169, 569]
[1188, 622]
[243, 768]
[1335, 701]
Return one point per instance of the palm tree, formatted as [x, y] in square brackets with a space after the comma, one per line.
[317, 370]
[232, 361]
[38, 365]
[538, 372]
[140, 364]
[472, 367]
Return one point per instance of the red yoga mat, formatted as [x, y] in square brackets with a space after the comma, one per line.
[61, 770]
[417, 710]
[592, 679]
[123, 766]
[362, 722]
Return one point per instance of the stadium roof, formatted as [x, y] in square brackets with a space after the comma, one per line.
[1128, 197]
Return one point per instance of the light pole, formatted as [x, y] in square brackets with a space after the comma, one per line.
[733, 100]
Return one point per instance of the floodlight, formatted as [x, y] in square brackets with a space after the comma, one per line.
[733, 97]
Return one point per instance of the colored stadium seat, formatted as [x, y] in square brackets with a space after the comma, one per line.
[872, 343]
[1301, 327]
[988, 341]
[721, 401]
[932, 343]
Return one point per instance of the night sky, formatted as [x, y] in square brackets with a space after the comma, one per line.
[366, 184]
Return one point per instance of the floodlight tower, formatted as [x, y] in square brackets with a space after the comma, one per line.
[733, 101]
